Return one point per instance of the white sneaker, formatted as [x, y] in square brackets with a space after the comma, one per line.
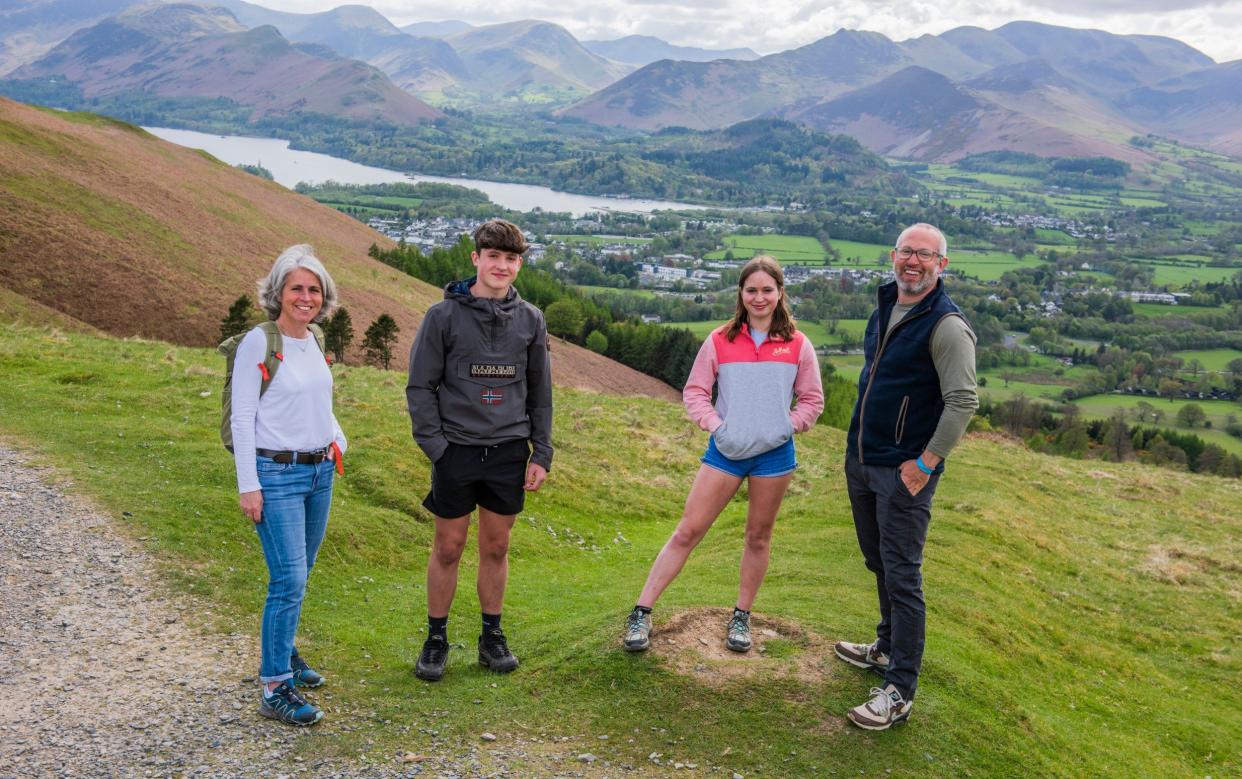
[885, 708]
[862, 655]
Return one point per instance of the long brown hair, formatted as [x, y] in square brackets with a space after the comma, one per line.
[782, 318]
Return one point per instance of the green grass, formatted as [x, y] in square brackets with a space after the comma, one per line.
[1212, 359]
[1180, 274]
[1157, 310]
[859, 253]
[598, 240]
[798, 249]
[1077, 610]
[588, 289]
[816, 331]
[700, 329]
[988, 265]
[1103, 406]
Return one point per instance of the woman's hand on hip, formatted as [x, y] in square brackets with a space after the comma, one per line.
[252, 505]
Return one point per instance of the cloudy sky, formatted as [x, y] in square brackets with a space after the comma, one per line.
[1212, 26]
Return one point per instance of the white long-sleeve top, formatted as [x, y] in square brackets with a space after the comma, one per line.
[294, 415]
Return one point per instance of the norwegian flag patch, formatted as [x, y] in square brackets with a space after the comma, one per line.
[491, 397]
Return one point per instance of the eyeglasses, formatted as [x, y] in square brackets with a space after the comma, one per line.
[925, 255]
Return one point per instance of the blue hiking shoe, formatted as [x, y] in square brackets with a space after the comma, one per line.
[303, 674]
[286, 705]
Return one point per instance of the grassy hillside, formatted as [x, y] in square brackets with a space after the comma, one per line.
[103, 223]
[1084, 617]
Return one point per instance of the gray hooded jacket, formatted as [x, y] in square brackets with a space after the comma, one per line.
[480, 374]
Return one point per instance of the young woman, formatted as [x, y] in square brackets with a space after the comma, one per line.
[759, 363]
[286, 443]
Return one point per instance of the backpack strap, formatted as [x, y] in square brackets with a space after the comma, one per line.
[320, 339]
[273, 356]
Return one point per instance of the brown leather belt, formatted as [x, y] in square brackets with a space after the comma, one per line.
[301, 458]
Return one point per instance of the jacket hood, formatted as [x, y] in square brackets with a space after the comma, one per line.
[460, 291]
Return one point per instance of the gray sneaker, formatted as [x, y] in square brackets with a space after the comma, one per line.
[885, 709]
[862, 655]
[637, 631]
[739, 632]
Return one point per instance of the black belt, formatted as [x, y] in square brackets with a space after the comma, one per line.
[301, 458]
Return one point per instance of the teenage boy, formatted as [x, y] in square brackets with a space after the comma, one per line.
[480, 398]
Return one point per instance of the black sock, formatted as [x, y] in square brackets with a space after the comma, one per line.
[740, 612]
[490, 622]
[643, 609]
[437, 626]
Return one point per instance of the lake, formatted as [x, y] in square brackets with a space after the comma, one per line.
[289, 167]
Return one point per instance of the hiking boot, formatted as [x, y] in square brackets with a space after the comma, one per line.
[739, 632]
[885, 708]
[303, 674]
[285, 704]
[637, 631]
[862, 655]
[494, 653]
[432, 659]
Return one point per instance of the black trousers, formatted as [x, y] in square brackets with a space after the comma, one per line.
[892, 528]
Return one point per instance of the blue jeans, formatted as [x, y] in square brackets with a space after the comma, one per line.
[295, 515]
[891, 525]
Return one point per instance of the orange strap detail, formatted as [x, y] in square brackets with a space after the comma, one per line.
[263, 370]
[339, 458]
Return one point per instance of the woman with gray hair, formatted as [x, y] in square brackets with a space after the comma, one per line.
[286, 445]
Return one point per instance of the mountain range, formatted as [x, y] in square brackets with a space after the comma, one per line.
[1025, 86]
[181, 50]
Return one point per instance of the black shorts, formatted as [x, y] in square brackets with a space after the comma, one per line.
[466, 476]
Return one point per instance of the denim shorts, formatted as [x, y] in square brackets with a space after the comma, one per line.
[774, 462]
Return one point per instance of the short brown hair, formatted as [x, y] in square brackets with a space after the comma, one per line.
[499, 234]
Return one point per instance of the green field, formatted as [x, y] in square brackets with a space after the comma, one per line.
[797, 249]
[598, 240]
[1178, 274]
[1075, 608]
[590, 290]
[861, 254]
[1212, 359]
[1103, 406]
[816, 331]
[990, 265]
[1157, 310]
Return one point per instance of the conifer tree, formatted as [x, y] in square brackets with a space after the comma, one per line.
[237, 320]
[338, 332]
[378, 340]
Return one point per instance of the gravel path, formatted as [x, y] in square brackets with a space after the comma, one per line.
[100, 677]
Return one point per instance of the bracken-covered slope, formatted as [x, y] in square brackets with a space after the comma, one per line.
[107, 225]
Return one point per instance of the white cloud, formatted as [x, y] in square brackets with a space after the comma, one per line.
[1212, 26]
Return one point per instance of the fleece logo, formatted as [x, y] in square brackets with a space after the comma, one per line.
[781, 351]
[491, 397]
[490, 370]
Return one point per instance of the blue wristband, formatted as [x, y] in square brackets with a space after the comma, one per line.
[923, 467]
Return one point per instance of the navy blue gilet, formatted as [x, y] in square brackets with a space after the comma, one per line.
[899, 396]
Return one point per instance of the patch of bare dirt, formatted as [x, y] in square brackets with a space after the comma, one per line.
[692, 643]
